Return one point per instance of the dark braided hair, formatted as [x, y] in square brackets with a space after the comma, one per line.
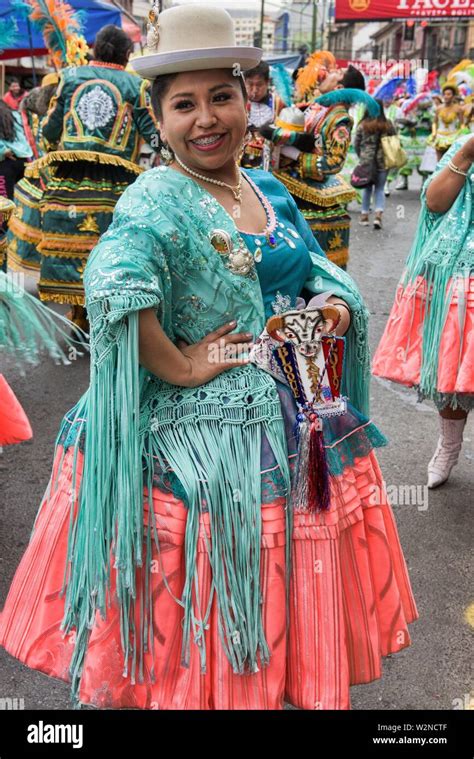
[112, 45]
[7, 124]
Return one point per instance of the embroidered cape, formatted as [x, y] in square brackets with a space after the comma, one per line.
[99, 114]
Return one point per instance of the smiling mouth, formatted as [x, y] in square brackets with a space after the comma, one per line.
[209, 139]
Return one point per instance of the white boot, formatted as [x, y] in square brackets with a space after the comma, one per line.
[447, 451]
[402, 183]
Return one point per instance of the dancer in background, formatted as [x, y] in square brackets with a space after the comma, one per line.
[313, 178]
[14, 151]
[264, 104]
[448, 121]
[24, 229]
[428, 340]
[93, 130]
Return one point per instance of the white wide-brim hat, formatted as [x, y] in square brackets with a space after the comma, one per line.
[209, 29]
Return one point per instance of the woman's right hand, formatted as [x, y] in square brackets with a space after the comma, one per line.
[215, 353]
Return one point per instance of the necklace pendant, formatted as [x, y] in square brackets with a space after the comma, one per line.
[258, 255]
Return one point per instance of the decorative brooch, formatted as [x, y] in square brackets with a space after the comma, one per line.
[240, 260]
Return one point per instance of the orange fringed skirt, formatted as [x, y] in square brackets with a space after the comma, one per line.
[350, 604]
[399, 355]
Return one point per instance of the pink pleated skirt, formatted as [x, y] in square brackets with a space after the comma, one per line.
[400, 351]
[350, 604]
[14, 424]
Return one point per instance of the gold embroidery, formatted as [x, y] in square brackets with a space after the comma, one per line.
[335, 242]
[89, 224]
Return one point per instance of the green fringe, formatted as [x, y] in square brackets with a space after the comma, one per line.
[27, 327]
[438, 255]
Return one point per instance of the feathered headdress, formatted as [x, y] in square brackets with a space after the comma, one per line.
[317, 68]
[282, 82]
[412, 103]
[466, 65]
[393, 77]
[61, 28]
[351, 96]
[432, 82]
[388, 90]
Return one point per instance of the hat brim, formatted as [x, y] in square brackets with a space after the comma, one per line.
[156, 64]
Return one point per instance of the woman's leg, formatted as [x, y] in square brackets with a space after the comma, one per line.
[379, 191]
[452, 423]
[366, 196]
[379, 198]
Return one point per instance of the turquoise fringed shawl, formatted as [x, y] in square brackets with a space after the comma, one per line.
[157, 253]
[28, 328]
[443, 250]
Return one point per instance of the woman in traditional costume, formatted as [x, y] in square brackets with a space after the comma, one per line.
[93, 129]
[14, 151]
[27, 329]
[191, 581]
[448, 121]
[24, 230]
[428, 340]
[313, 177]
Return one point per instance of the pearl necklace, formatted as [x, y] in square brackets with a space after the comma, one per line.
[236, 191]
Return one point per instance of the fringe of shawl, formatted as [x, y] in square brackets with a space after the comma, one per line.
[27, 327]
[107, 528]
[439, 257]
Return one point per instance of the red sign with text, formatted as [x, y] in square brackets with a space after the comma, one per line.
[379, 10]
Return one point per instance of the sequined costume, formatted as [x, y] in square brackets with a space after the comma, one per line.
[12, 168]
[256, 154]
[447, 127]
[214, 597]
[93, 131]
[314, 178]
[428, 340]
[24, 230]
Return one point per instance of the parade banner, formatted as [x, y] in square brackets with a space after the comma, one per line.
[380, 10]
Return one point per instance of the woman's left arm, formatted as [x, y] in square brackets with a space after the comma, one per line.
[444, 188]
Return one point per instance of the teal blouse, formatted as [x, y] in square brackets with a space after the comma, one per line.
[284, 268]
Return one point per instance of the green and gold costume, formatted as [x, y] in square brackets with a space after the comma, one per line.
[93, 131]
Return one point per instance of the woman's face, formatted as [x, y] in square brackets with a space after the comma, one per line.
[204, 119]
[448, 96]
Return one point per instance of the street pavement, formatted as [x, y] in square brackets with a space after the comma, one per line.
[435, 528]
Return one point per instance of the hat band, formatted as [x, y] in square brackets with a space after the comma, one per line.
[290, 127]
